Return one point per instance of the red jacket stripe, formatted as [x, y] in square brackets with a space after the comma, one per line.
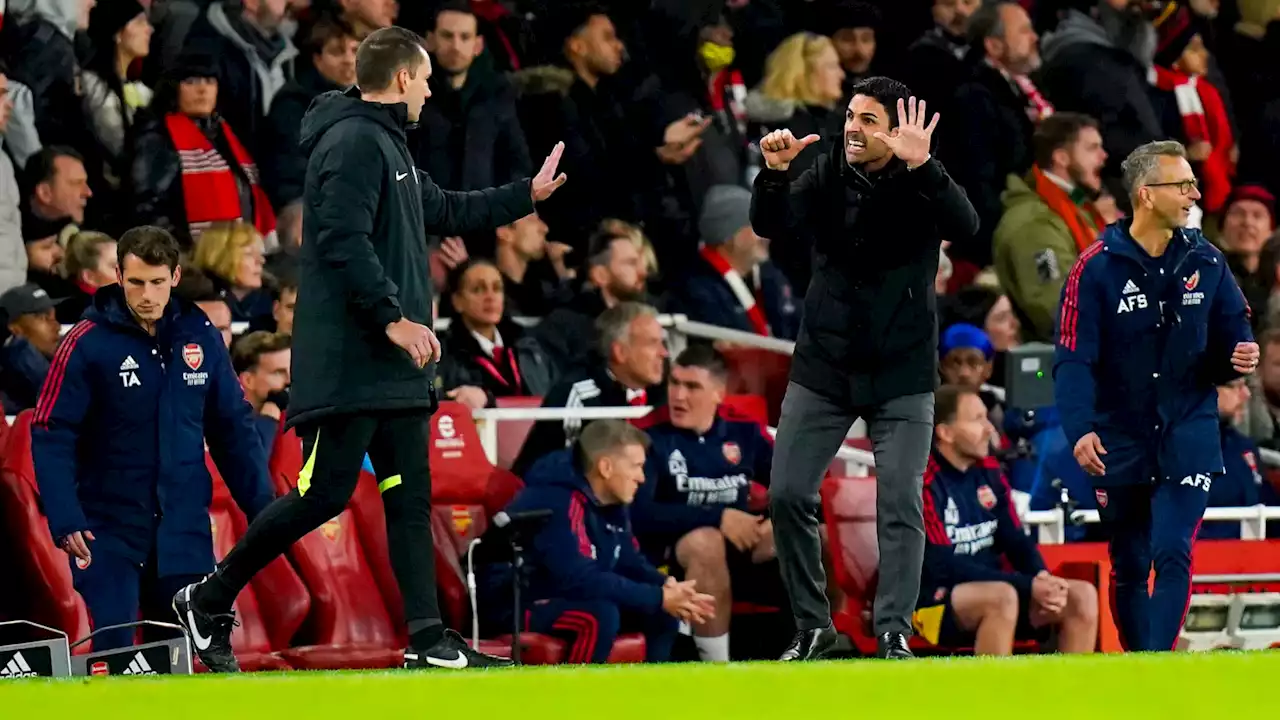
[53, 381]
[1070, 313]
[935, 531]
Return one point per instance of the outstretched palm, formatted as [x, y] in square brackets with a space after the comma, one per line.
[910, 140]
[546, 181]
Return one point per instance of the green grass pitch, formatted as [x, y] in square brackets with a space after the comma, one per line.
[1178, 685]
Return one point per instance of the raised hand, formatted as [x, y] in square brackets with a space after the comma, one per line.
[910, 140]
[546, 181]
[780, 147]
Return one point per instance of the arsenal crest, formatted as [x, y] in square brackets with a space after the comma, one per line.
[1191, 282]
[461, 516]
[986, 496]
[193, 356]
[1101, 495]
[732, 453]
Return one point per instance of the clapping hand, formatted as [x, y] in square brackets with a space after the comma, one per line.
[546, 181]
[910, 140]
[681, 600]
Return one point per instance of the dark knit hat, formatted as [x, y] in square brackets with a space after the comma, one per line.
[109, 17]
[843, 14]
[36, 228]
[1175, 27]
[1256, 193]
[726, 209]
[192, 64]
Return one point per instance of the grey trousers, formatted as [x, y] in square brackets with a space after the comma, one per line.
[809, 434]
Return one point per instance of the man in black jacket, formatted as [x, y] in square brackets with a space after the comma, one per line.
[874, 216]
[364, 348]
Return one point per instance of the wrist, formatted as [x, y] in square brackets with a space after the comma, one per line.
[927, 157]
[780, 167]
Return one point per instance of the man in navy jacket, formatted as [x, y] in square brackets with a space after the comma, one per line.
[589, 579]
[118, 439]
[1151, 321]
[984, 580]
[691, 510]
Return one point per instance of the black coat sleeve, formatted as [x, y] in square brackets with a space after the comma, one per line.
[780, 208]
[348, 187]
[448, 212]
[954, 214]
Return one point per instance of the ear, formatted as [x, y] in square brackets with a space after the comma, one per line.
[177, 276]
[429, 41]
[1063, 159]
[44, 193]
[942, 433]
[479, 46]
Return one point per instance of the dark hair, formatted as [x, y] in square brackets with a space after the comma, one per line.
[453, 279]
[885, 91]
[325, 29]
[247, 351]
[43, 167]
[969, 305]
[196, 287]
[1056, 132]
[844, 14]
[705, 357]
[84, 250]
[384, 53]
[600, 247]
[286, 281]
[606, 437]
[567, 21]
[150, 244]
[987, 22]
[456, 6]
[946, 402]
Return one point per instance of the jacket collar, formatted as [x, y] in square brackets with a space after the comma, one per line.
[1117, 240]
[109, 308]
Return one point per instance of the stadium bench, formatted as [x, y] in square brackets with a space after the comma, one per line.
[512, 433]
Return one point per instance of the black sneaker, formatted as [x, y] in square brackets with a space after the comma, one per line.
[210, 634]
[453, 653]
[811, 645]
[893, 646]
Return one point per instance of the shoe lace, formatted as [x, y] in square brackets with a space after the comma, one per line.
[896, 640]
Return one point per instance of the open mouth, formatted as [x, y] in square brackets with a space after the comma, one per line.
[855, 145]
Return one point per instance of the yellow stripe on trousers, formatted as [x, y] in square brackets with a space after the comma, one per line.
[304, 476]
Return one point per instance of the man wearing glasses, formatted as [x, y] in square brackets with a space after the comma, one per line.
[1151, 321]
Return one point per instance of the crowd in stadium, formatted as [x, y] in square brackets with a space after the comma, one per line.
[186, 114]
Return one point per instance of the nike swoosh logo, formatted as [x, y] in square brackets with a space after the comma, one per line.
[401, 176]
[201, 643]
[457, 663]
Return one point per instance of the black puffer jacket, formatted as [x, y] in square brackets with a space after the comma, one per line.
[464, 363]
[283, 164]
[363, 262]
[870, 329]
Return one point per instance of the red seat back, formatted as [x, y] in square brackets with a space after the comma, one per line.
[275, 604]
[512, 433]
[43, 591]
[746, 407]
[849, 508]
[459, 468]
[371, 522]
[753, 371]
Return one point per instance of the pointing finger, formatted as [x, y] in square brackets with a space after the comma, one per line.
[808, 140]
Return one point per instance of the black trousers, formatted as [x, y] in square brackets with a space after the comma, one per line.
[334, 449]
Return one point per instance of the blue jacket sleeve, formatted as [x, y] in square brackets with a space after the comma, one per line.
[633, 564]
[562, 550]
[1228, 325]
[944, 566]
[233, 439]
[1012, 541]
[1076, 353]
[56, 425]
[651, 517]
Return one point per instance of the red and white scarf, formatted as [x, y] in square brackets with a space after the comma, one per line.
[209, 190]
[748, 297]
[1038, 108]
[1204, 119]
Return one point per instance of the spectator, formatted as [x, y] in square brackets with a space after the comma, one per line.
[194, 287]
[45, 254]
[735, 285]
[261, 362]
[634, 357]
[121, 35]
[1181, 66]
[935, 63]
[535, 277]
[329, 51]
[802, 91]
[1088, 69]
[27, 351]
[965, 355]
[190, 169]
[485, 355]
[1050, 218]
[1241, 484]
[615, 274]
[231, 255]
[56, 184]
[990, 310]
[851, 25]
[365, 16]
[253, 60]
[284, 296]
[991, 138]
[984, 582]
[90, 263]
[691, 512]
[42, 56]
[471, 137]
[506, 33]
[1248, 222]
[13, 258]
[588, 579]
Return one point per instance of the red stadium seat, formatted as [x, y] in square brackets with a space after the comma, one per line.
[39, 570]
[512, 433]
[753, 371]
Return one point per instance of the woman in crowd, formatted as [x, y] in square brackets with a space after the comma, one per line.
[989, 309]
[189, 168]
[232, 255]
[487, 356]
[121, 35]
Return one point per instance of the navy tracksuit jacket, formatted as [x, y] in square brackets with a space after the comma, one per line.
[690, 479]
[118, 439]
[587, 577]
[1142, 344]
[707, 297]
[971, 529]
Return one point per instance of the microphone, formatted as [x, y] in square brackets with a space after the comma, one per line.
[520, 521]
